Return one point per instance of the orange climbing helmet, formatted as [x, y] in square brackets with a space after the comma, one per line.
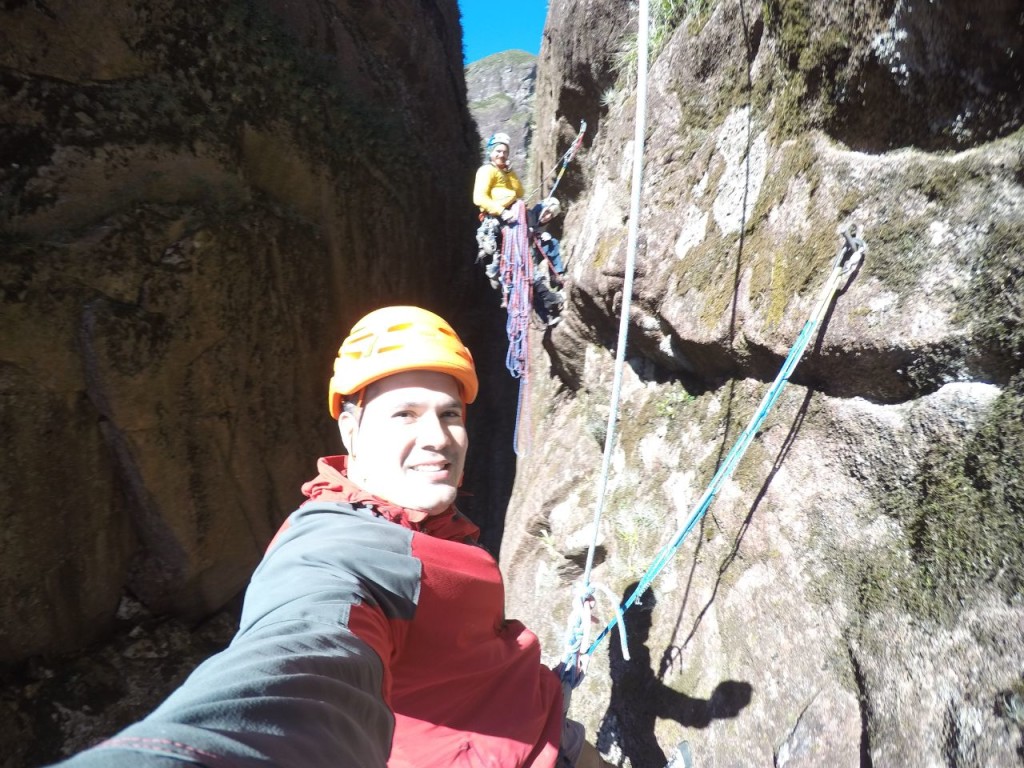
[397, 339]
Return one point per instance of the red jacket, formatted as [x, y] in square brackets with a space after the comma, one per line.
[363, 634]
[465, 684]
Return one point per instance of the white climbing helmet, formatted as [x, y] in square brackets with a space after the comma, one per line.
[498, 138]
[551, 205]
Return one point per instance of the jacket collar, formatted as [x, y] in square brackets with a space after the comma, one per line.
[333, 484]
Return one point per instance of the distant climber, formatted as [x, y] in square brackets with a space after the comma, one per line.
[374, 632]
[547, 262]
[539, 217]
[496, 187]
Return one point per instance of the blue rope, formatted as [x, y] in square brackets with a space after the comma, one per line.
[847, 260]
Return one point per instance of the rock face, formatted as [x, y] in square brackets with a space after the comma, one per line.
[854, 595]
[500, 90]
[193, 192]
[198, 199]
[575, 72]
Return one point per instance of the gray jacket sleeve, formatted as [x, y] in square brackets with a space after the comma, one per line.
[292, 694]
[296, 687]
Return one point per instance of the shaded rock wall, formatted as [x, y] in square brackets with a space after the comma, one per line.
[853, 596]
[198, 199]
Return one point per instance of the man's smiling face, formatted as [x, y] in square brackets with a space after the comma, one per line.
[407, 443]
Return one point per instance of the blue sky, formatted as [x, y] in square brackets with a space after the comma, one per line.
[489, 27]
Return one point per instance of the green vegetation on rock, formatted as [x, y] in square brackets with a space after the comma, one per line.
[899, 241]
[966, 527]
[492, 101]
[813, 53]
[709, 271]
[995, 299]
[665, 17]
[962, 516]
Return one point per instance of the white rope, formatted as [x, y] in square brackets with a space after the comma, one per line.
[574, 665]
[639, 135]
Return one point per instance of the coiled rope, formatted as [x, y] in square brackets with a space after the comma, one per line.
[517, 281]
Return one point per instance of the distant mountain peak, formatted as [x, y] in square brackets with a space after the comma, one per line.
[500, 90]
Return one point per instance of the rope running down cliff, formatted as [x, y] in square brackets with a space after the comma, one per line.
[850, 255]
[575, 633]
[567, 158]
[847, 261]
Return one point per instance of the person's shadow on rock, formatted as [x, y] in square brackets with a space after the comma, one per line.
[639, 698]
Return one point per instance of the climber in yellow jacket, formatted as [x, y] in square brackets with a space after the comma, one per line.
[496, 187]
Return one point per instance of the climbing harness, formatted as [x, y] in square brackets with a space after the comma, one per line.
[850, 255]
[572, 664]
[516, 267]
[538, 243]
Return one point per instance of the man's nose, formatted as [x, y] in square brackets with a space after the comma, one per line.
[433, 433]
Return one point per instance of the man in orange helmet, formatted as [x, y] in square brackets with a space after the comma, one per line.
[373, 632]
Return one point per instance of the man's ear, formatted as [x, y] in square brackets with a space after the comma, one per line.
[347, 426]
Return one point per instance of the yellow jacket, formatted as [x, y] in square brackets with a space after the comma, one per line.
[495, 189]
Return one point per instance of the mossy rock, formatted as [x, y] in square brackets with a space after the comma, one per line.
[995, 299]
[962, 516]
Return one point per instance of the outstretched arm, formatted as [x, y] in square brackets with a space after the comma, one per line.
[293, 694]
[302, 684]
